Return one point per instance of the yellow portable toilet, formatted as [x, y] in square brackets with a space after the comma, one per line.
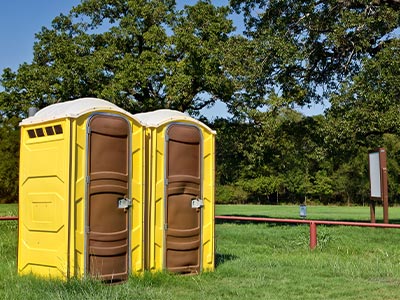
[81, 192]
[180, 192]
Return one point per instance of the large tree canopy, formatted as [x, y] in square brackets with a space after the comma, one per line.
[148, 54]
[368, 107]
[140, 55]
[305, 49]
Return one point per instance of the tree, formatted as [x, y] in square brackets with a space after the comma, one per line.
[305, 49]
[196, 77]
[234, 141]
[141, 55]
[345, 52]
[147, 54]
[322, 186]
[273, 155]
[9, 149]
[262, 187]
[368, 107]
[392, 146]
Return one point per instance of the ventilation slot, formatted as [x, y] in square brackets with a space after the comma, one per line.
[58, 129]
[31, 133]
[49, 130]
[40, 132]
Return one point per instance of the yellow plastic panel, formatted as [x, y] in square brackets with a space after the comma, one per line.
[44, 204]
[44, 211]
[41, 163]
[45, 253]
[43, 270]
[209, 201]
[137, 194]
[158, 182]
[78, 230]
[79, 242]
[156, 199]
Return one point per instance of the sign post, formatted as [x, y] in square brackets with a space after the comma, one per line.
[378, 182]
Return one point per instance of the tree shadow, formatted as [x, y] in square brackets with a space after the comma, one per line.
[221, 258]
[391, 221]
[223, 221]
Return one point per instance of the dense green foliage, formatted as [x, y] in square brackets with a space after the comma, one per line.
[148, 54]
[9, 156]
[346, 52]
[304, 49]
[300, 159]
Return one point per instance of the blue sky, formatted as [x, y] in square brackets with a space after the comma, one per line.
[20, 20]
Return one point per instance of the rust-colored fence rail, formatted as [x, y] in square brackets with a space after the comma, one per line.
[8, 218]
[312, 223]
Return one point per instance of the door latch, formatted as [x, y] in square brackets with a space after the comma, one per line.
[197, 203]
[124, 203]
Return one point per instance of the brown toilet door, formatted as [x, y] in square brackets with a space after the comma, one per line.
[108, 186]
[183, 188]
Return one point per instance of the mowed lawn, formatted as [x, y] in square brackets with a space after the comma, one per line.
[336, 213]
[254, 261]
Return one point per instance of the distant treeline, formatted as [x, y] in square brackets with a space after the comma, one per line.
[294, 160]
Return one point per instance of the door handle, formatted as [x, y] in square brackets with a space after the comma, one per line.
[124, 203]
[197, 203]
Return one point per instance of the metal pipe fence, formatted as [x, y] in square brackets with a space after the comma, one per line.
[312, 223]
[8, 218]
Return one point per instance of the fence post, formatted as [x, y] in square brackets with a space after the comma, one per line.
[313, 235]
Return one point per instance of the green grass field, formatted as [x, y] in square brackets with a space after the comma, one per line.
[254, 261]
[342, 213]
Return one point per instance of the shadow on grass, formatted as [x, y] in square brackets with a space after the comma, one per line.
[225, 221]
[221, 258]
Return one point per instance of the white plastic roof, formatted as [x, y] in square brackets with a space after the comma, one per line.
[159, 117]
[72, 109]
[76, 108]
